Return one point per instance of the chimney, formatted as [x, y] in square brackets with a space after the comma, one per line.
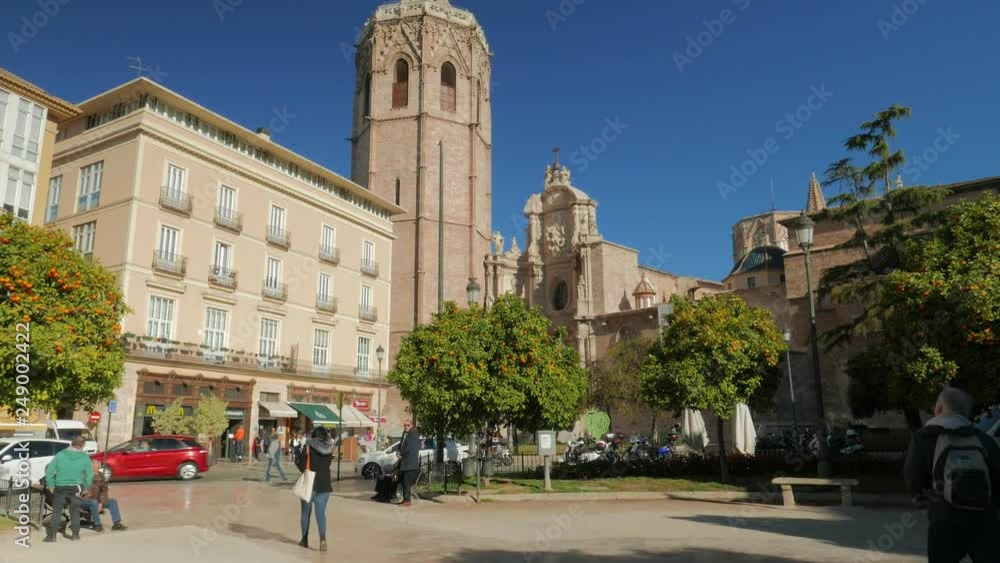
[264, 133]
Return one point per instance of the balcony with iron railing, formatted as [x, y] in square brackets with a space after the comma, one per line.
[326, 304]
[274, 290]
[169, 263]
[173, 352]
[222, 277]
[329, 254]
[175, 200]
[369, 267]
[278, 237]
[368, 313]
[229, 219]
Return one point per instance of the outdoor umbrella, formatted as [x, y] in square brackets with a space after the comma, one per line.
[744, 434]
[694, 431]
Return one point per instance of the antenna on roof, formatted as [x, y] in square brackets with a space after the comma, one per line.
[137, 66]
[772, 193]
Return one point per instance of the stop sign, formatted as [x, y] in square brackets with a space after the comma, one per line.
[95, 417]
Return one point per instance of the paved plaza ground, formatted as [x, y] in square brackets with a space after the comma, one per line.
[229, 516]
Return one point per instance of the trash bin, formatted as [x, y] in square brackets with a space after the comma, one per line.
[487, 468]
[469, 467]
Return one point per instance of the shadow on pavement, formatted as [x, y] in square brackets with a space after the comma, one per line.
[845, 533]
[255, 533]
[688, 555]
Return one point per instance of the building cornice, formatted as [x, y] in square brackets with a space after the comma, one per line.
[59, 110]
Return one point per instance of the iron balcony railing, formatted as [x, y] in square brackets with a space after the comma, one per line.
[222, 277]
[169, 263]
[175, 200]
[369, 267]
[326, 304]
[275, 290]
[229, 219]
[368, 313]
[329, 254]
[278, 236]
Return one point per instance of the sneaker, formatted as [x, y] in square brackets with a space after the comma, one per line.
[322, 545]
[98, 528]
[119, 527]
[304, 542]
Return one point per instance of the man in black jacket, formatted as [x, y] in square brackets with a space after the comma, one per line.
[409, 452]
[954, 531]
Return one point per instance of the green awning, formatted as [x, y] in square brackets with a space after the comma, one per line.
[319, 414]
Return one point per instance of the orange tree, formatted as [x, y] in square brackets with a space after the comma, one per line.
[72, 308]
[474, 368]
[714, 353]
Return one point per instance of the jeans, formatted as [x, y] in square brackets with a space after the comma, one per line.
[409, 478]
[95, 516]
[62, 496]
[319, 500]
[949, 542]
[276, 462]
[239, 449]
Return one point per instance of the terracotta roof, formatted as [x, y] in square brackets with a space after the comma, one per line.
[644, 287]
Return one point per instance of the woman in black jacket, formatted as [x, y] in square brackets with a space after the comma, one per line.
[317, 456]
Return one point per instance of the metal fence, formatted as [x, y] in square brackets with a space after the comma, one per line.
[12, 505]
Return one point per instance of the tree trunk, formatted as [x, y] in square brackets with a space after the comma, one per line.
[723, 466]
[652, 430]
[912, 419]
[439, 455]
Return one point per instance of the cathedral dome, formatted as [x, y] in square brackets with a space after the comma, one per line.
[644, 293]
[762, 257]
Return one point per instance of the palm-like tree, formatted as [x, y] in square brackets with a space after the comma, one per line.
[874, 138]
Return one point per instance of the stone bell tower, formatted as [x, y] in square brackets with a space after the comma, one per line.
[421, 137]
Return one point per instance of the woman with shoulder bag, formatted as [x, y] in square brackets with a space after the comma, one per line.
[316, 456]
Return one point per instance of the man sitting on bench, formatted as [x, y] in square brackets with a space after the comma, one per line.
[96, 499]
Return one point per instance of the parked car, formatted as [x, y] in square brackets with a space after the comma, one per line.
[374, 463]
[39, 452]
[69, 429]
[155, 456]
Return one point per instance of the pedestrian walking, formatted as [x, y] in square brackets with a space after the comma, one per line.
[953, 469]
[238, 437]
[274, 457]
[409, 452]
[316, 456]
[67, 476]
[97, 499]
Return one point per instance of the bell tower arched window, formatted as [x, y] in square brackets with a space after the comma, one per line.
[401, 84]
[449, 85]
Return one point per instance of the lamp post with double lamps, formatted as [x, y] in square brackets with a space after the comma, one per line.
[379, 355]
[804, 229]
[787, 335]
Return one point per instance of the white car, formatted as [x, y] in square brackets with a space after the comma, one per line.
[38, 452]
[69, 429]
[374, 463]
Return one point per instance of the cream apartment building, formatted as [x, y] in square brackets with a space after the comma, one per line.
[29, 121]
[253, 273]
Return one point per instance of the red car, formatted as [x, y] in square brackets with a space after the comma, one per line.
[155, 456]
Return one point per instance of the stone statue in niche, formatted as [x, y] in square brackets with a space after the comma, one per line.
[515, 250]
[555, 237]
[497, 243]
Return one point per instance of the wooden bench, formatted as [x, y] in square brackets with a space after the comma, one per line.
[788, 498]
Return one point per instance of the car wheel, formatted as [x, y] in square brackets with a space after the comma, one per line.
[371, 471]
[187, 471]
[107, 473]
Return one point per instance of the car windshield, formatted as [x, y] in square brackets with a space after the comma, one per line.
[70, 433]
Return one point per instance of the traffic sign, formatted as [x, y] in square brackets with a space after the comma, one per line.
[95, 417]
[112, 406]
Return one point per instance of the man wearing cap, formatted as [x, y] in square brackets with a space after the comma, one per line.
[68, 475]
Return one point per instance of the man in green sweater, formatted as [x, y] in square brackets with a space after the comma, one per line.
[68, 475]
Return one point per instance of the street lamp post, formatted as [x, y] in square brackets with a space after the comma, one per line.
[379, 355]
[791, 384]
[804, 230]
[472, 292]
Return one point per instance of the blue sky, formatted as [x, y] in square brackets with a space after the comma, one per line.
[562, 69]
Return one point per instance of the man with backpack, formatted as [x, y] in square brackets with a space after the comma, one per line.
[953, 469]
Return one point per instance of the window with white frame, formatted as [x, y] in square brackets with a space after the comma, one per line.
[364, 354]
[90, 186]
[161, 318]
[214, 336]
[17, 195]
[3, 113]
[83, 237]
[328, 239]
[52, 202]
[366, 297]
[324, 291]
[223, 257]
[321, 348]
[269, 329]
[273, 279]
[27, 131]
[175, 182]
[227, 203]
[169, 238]
[368, 254]
[277, 221]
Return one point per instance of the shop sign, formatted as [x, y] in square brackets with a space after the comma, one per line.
[234, 413]
[361, 404]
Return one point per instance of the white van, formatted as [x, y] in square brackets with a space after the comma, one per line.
[69, 429]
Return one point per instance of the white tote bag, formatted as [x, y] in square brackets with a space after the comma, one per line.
[304, 484]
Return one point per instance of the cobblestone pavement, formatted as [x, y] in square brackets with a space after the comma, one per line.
[247, 521]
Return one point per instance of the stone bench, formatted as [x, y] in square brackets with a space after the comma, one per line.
[788, 498]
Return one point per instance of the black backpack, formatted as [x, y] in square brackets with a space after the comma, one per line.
[962, 470]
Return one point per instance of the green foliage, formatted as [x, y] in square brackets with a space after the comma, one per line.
[172, 420]
[596, 423]
[476, 367]
[614, 381]
[714, 353]
[210, 417]
[74, 307]
[942, 316]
